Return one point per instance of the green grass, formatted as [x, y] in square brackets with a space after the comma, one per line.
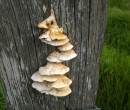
[118, 29]
[2, 101]
[114, 78]
[121, 4]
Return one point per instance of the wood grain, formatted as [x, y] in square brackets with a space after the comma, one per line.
[22, 53]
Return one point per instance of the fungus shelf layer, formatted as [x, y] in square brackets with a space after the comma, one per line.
[50, 79]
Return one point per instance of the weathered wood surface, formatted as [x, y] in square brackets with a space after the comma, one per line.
[21, 53]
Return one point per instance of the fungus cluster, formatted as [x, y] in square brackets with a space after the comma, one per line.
[50, 79]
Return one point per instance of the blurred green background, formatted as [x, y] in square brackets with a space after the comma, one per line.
[114, 79]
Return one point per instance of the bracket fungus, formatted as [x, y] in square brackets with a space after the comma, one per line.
[60, 92]
[53, 69]
[53, 34]
[61, 56]
[50, 79]
[65, 47]
[56, 42]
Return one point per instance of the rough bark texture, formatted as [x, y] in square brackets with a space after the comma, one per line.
[21, 53]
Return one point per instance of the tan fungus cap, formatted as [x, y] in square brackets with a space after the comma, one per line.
[60, 93]
[41, 86]
[53, 69]
[55, 42]
[65, 47]
[62, 81]
[40, 78]
[62, 56]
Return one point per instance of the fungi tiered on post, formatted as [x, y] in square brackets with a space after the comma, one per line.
[51, 79]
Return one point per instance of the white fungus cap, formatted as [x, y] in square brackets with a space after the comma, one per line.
[54, 57]
[40, 78]
[58, 88]
[60, 93]
[53, 69]
[55, 42]
[41, 86]
[61, 82]
[65, 47]
[63, 56]
[67, 55]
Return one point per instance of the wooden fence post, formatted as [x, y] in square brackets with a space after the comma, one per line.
[22, 53]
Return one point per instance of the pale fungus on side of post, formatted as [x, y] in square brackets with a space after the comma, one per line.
[50, 78]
